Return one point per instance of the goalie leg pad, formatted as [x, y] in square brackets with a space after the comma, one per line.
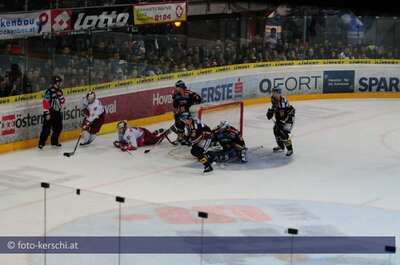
[222, 155]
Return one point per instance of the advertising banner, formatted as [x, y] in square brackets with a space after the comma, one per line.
[159, 13]
[123, 100]
[339, 81]
[102, 18]
[26, 123]
[386, 79]
[24, 24]
[61, 20]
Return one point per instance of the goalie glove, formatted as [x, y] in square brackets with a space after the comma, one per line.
[270, 114]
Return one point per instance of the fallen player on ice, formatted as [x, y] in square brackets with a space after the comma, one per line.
[130, 138]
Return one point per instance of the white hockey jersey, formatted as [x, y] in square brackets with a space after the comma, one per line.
[95, 109]
[130, 136]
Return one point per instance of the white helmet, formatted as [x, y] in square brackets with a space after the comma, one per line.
[121, 126]
[222, 125]
[91, 97]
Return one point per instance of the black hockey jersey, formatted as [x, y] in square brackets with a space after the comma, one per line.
[183, 101]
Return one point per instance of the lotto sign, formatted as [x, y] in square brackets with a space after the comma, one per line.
[61, 20]
[8, 124]
[159, 13]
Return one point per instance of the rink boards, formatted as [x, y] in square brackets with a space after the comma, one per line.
[143, 103]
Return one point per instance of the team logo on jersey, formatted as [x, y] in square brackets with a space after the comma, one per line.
[8, 124]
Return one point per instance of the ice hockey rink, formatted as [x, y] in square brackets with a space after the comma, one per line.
[343, 180]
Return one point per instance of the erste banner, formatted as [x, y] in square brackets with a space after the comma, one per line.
[24, 24]
[159, 13]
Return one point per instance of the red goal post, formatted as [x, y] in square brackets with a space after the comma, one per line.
[213, 114]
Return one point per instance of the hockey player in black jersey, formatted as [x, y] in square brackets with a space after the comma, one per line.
[183, 99]
[284, 119]
[200, 137]
[231, 141]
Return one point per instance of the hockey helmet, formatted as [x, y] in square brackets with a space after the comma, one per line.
[276, 91]
[221, 126]
[121, 126]
[91, 97]
[180, 84]
[184, 116]
[57, 79]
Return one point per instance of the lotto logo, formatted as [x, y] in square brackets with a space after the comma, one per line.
[8, 124]
[61, 20]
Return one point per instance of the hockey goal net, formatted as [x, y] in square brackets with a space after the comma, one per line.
[231, 112]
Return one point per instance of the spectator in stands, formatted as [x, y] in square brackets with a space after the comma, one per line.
[272, 39]
[15, 82]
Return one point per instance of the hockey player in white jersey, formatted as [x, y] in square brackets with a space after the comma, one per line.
[130, 138]
[94, 116]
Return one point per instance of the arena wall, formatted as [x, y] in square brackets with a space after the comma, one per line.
[148, 100]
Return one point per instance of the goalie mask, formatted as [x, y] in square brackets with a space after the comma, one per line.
[221, 126]
[91, 97]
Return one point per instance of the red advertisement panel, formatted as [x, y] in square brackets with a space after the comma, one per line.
[61, 20]
[139, 104]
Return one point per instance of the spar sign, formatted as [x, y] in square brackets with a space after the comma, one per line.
[159, 13]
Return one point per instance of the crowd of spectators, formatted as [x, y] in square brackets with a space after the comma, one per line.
[107, 58]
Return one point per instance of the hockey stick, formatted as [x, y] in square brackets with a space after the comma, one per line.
[68, 154]
[169, 140]
[165, 135]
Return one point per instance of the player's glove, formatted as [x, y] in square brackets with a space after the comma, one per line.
[270, 114]
[85, 125]
[47, 116]
[127, 147]
[117, 144]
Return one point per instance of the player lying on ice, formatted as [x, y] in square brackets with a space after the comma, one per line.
[231, 142]
[130, 138]
[94, 115]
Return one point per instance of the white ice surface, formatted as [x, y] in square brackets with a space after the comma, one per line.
[346, 153]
